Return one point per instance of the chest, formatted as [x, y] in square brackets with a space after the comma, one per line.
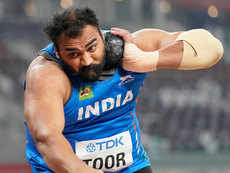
[101, 101]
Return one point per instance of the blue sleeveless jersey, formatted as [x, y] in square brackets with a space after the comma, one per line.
[101, 124]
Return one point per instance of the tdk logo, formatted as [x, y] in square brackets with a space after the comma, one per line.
[91, 148]
[110, 143]
[105, 145]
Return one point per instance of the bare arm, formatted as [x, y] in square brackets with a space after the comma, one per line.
[46, 91]
[150, 49]
[170, 51]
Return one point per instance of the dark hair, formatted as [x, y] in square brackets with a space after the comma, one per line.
[71, 21]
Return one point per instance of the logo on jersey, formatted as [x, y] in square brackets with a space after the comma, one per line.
[85, 93]
[105, 145]
[126, 79]
[90, 148]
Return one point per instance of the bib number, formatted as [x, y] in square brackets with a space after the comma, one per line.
[108, 154]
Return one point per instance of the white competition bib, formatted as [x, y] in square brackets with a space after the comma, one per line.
[109, 154]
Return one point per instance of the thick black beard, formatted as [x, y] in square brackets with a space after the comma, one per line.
[92, 72]
[89, 73]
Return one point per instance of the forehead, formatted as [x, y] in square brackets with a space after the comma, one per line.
[88, 33]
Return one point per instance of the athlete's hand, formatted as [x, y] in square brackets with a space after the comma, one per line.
[97, 171]
[129, 54]
[134, 59]
[93, 170]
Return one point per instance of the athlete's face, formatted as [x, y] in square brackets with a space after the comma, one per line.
[84, 54]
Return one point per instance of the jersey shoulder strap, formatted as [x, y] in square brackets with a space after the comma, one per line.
[49, 57]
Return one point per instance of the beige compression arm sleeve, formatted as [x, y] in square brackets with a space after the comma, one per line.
[201, 49]
[139, 61]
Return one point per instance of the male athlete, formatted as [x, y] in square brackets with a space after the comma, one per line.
[79, 116]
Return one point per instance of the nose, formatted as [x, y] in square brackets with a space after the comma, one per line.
[86, 60]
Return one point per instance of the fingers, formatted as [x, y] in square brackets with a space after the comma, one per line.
[125, 34]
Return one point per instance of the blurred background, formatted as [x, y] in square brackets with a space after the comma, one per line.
[184, 115]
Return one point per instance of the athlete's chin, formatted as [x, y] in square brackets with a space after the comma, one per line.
[90, 76]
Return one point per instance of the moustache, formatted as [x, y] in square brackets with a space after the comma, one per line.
[92, 72]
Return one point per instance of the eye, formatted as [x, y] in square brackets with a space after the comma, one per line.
[92, 48]
[73, 55]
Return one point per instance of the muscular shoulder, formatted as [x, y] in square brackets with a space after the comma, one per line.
[47, 76]
[150, 39]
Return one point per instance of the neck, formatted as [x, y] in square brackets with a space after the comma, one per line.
[107, 74]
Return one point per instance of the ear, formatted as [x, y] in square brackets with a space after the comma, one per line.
[56, 52]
